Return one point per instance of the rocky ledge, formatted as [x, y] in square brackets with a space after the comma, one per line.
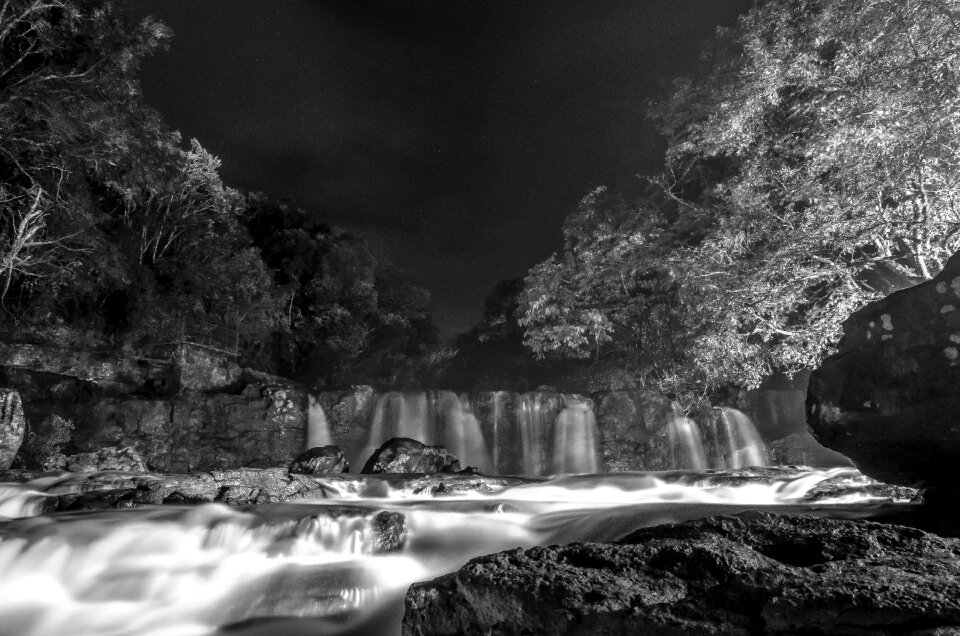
[39, 493]
[753, 573]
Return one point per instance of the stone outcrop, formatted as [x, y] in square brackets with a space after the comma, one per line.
[890, 397]
[263, 426]
[125, 459]
[320, 460]
[12, 426]
[404, 455]
[748, 574]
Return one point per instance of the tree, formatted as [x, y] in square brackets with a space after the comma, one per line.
[814, 167]
[347, 316]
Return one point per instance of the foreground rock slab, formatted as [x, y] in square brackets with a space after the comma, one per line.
[754, 573]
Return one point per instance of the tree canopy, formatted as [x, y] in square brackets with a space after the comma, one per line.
[115, 232]
[813, 167]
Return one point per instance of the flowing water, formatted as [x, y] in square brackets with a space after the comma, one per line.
[317, 566]
[543, 432]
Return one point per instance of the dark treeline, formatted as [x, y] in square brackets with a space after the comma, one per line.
[113, 232]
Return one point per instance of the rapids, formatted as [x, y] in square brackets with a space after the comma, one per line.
[317, 566]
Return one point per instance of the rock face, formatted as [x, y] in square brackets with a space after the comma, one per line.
[890, 397]
[12, 426]
[749, 574]
[319, 461]
[125, 459]
[404, 455]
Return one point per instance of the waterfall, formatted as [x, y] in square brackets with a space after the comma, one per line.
[535, 412]
[575, 438]
[745, 448]
[318, 430]
[687, 443]
[544, 432]
[462, 434]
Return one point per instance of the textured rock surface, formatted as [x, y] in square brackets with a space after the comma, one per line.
[890, 398]
[12, 426]
[404, 455]
[754, 573]
[263, 426]
[320, 460]
[125, 459]
[803, 449]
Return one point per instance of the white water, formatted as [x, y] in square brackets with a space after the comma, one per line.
[575, 441]
[180, 570]
[745, 448]
[318, 431]
[546, 433]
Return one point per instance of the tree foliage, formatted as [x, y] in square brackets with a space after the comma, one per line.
[814, 167]
[113, 228]
[346, 315]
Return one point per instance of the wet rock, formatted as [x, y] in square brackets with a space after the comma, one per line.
[125, 459]
[803, 449]
[320, 460]
[348, 415]
[12, 426]
[747, 574]
[405, 455]
[890, 397]
[44, 443]
[389, 531]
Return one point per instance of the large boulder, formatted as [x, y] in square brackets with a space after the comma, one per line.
[405, 455]
[319, 461]
[12, 426]
[890, 397]
[748, 574]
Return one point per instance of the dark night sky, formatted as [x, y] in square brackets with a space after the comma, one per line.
[454, 135]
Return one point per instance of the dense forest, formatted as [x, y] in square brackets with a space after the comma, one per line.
[812, 167]
[114, 232]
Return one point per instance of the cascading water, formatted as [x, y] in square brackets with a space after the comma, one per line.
[318, 431]
[546, 433]
[686, 442]
[745, 448]
[320, 566]
[575, 444]
[462, 434]
[535, 414]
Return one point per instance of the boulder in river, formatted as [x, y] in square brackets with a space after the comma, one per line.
[405, 455]
[889, 399]
[746, 574]
[320, 460]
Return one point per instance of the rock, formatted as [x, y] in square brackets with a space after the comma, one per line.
[12, 426]
[890, 397]
[320, 460]
[125, 459]
[803, 449]
[205, 369]
[746, 574]
[405, 455]
[43, 444]
[348, 416]
[118, 489]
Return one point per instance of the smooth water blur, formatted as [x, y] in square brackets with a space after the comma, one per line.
[312, 566]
